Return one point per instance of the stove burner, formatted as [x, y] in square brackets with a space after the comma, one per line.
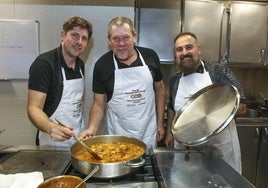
[146, 173]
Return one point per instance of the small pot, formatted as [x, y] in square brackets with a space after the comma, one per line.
[64, 181]
[252, 113]
[107, 170]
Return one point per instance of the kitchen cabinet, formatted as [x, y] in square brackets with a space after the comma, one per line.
[204, 18]
[232, 32]
[253, 137]
[262, 169]
[248, 32]
[157, 24]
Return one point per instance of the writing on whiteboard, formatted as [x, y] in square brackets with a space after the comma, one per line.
[5, 40]
[19, 46]
[10, 46]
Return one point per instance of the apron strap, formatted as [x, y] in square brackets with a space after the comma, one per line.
[55, 104]
[60, 86]
[139, 55]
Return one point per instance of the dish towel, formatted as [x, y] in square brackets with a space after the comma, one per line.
[21, 180]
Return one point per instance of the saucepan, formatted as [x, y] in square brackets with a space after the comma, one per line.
[206, 114]
[63, 181]
[110, 169]
[252, 113]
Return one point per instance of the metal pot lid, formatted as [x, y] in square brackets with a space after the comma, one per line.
[206, 114]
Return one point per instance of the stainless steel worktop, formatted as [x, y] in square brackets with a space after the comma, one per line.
[197, 170]
[178, 168]
[260, 120]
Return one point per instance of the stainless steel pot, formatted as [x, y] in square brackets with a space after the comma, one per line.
[206, 114]
[252, 113]
[107, 170]
[63, 181]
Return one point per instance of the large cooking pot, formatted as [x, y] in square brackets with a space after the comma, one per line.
[206, 114]
[107, 170]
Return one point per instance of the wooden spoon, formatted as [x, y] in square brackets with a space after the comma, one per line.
[95, 155]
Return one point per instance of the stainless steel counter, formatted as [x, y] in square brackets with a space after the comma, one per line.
[178, 168]
[197, 170]
[252, 120]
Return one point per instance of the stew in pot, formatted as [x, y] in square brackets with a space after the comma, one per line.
[111, 152]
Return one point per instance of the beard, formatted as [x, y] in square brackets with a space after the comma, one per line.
[123, 54]
[187, 64]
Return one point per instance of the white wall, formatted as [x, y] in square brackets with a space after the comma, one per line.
[13, 93]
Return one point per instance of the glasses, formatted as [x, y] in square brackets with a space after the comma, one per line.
[76, 36]
[123, 39]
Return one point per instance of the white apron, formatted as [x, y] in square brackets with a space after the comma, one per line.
[131, 110]
[69, 110]
[227, 141]
[196, 81]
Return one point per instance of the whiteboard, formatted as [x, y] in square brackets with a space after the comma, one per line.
[19, 46]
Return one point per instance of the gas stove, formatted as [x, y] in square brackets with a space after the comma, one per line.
[147, 176]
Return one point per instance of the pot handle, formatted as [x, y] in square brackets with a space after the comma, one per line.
[135, 165]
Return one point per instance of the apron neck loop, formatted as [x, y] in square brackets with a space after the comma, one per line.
[63, 73]
[204, 69]
[139, 55]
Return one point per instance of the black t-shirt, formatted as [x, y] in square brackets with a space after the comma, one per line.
[103, 75]
[45, 76]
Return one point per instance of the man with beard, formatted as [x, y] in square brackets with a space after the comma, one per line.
[195, 74]
[128, 79]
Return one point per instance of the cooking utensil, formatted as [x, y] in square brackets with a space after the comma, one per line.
[88, 176]
[261, 95]
[265, 100]
[95, 155]
[107, 170]
[252, 113]
[62, 181]
[206, 114]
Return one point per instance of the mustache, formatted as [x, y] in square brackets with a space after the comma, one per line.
[186, 56]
